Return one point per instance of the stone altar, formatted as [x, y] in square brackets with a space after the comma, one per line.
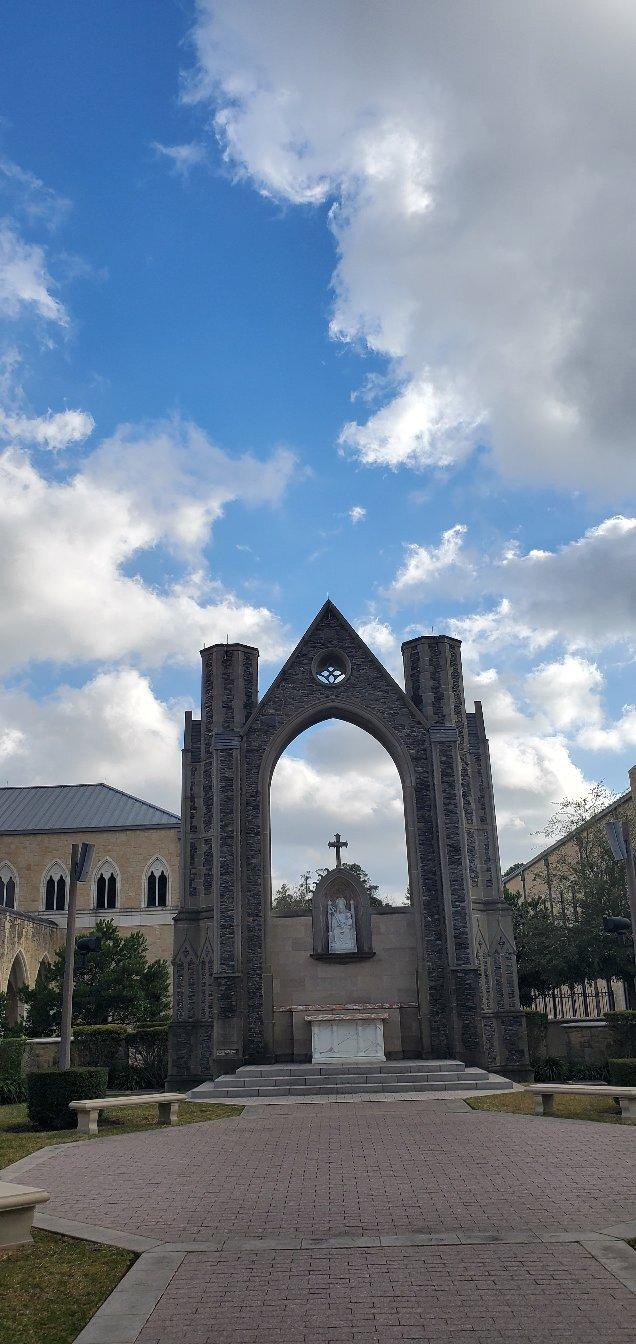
[348, 1036]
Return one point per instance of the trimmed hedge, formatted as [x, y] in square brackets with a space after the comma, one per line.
[622, 1071]
[622, 1032]
[99, 1047]
[49, 1094]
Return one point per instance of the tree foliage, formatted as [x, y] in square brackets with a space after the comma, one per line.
[562, 942]
[297, 900]
[115, 983]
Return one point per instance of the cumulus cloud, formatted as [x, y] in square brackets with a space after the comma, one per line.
[53, 431]
[482, 195]
[424, 565]
[112, 729]
[566, 692]
[332, 778]
[68, 551]
[357, 514]
[25, 283]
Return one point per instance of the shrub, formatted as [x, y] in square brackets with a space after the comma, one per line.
[128, 1078]
[12, 1090]
[537, 1029]
[11, 1054]
[49, 1094]
[622, 1071]
[554, 1070]
[148, 1055]
[99, 1047]
[622, 1033]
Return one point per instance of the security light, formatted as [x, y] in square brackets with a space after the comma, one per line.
[83, 865]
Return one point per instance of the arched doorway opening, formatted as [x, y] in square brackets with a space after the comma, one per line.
[18, 978]
[335, 777]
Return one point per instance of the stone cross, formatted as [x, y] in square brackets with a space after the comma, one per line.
[338, 844]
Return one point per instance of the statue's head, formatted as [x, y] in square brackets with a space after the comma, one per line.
[341, 904]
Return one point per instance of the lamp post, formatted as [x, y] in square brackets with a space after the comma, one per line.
[620, 843]
[81, 860]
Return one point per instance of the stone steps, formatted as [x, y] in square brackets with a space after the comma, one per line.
[347, 1079]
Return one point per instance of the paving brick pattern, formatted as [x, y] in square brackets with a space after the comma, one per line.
[359, 1169]
[445, 1295]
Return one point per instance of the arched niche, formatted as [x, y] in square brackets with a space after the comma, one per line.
[338, 890]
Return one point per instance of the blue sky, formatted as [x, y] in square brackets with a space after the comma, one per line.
[297, 302]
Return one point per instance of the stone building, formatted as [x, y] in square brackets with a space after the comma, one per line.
[541, 875]
[444, 972]
[134, 878]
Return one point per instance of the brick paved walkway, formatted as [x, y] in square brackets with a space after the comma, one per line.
[445, 1295]
[349, 1170]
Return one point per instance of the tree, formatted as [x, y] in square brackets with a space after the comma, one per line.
[291, 901]
[297, 900]
[540, 941]
[562, 942]
[116, 983]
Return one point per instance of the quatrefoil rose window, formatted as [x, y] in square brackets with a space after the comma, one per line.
[331, 668]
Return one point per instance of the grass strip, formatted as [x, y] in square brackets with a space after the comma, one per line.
[568, 1108]
[18, 1139]
[49, 1290]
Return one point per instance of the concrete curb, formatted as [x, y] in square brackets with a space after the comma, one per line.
[121, 1317]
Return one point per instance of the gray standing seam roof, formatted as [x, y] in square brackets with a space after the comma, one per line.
[77, 807]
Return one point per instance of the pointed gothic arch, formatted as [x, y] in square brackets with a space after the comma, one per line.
[440, 753]
[156, 892]
[18, 978]
[106, 885]
[54, 887]
[9, 886]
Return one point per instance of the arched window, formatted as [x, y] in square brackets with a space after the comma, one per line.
[157, 884]
[8, 886]
[106, 886]
[54, 887]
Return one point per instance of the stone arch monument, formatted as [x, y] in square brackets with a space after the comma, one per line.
[467, 1004]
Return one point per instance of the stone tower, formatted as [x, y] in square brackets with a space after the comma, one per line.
[468, 1004]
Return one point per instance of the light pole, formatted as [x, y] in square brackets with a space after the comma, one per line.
[620, 843]
[81, 860]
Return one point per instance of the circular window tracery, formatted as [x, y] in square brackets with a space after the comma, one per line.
[331, 668]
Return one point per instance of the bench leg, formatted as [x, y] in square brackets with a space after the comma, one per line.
[87, 1122]
[15, 1225]
[628, 1108]
[543, 1103]
[168, 1112]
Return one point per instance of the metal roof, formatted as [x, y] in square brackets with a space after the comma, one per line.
[77, 807]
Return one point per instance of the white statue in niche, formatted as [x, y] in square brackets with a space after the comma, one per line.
[342, 926]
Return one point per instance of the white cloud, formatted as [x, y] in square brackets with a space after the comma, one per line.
[182, 157]
[54, 431]
[29, 195]
[611, 737]
[24, 279]
[333, 778]
[67, 551]
[112, 729]
[483, 193]
[566, 692]
[384, 643]
[357, 514]
[424, 565]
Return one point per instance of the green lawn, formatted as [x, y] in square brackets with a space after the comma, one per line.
[570, 1108]
[18, 1139]
[50, 1290]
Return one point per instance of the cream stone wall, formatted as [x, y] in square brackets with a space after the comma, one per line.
[131, 851]
[25, 940]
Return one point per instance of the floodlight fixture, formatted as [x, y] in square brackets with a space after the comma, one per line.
[83, 865]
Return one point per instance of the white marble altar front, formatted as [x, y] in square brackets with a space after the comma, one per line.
[349, 1037]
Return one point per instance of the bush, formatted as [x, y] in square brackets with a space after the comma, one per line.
[12, 1090]
[49, 1094]
[622, 1071]
[622, 1033]
[11, 1054]
[148, 1055]
[128, 1078]
[554, 1070]
[537, 1029]
[99, 1047]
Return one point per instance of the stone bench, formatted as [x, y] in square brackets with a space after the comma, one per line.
[544, 1094]
[17, 1206]
[88, 1111]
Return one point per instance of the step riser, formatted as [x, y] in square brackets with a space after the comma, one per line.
[360, 1089]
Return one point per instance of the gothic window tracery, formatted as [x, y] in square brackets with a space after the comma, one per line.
[55, 886]
[157, 885]
[106, 886]
[8, 886]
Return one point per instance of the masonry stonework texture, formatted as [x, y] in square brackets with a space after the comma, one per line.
[227, 978]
